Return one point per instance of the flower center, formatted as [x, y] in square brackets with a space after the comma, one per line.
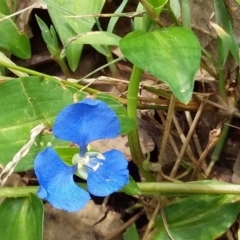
[91, 160]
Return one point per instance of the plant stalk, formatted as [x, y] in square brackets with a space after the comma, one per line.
[154, 188]
[133, 137]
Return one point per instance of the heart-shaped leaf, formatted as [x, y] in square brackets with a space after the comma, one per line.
[170, 54]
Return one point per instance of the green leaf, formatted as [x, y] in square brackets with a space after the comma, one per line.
[131, 233]
[12, 40]
[157, 5]
[131, 188]
[224, 20]
[227, 44]
[96, 38]
[153, 7]
[175, 7]
[25, 103]
[4, 9]
[127, 124]
[67, 27]
[170, 54]
[198, 217]
[49, 37]
[21, 218]
[113, 20]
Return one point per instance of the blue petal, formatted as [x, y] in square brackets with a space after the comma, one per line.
[109, 177]
[56, 182]
[86, 121]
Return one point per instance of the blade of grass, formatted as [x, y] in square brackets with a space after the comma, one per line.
[114, 20]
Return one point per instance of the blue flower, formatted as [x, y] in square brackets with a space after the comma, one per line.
[82, 123]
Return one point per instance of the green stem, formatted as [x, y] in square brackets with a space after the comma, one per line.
[63, 66]
[22, 69]
[221, 84]
[147, 188]
[133, 137]
[113, 68]
[9, 192]
[188, 188]
[186, 14]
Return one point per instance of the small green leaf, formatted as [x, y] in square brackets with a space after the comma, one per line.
[198, 217]
[49, 37]
[97, 37]
[170, 54]
[68, 27]
[227, 44]
[21, 218]
[224, 21]
[13, 40]
[131, 233]
[127, 124]
[113, 20]
[175, 7]
[157, 5]
[131, 188]
[25, 103]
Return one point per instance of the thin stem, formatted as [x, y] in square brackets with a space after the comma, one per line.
[133, 137]
[185, 144]
[9, 192]
[63, 65]
[154, 188]
[113, 67]
[152, 220]
[219, 146]
[188, 188]
[103, 66]
[167, 126]
[221, 84]
[22, 69]
[186, 14]
[124, 226]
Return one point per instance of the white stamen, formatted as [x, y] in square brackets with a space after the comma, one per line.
[89, 160]
[100, 156]
[86, 160]
[95, 168]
